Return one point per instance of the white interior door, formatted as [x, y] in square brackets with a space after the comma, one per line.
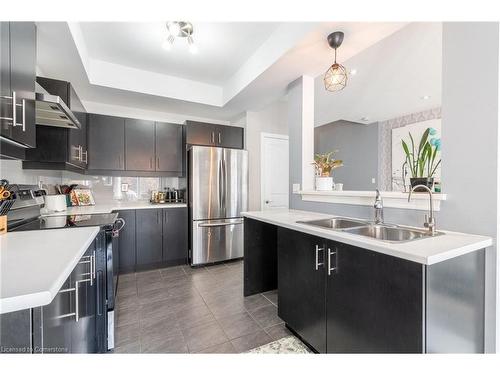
[274, 171]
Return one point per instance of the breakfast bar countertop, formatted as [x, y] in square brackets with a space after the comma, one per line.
[426, 251]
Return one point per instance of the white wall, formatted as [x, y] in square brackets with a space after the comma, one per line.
[271, 119]
[470, 142]
[13, 171]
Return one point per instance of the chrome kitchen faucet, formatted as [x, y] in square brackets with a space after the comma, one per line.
[430, 222]
[379, 208]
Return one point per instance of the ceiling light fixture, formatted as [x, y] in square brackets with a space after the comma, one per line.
[179, 29]
[335, 78]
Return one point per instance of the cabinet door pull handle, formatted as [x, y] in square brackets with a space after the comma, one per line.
[77, 303]
[220, 138]
[14, 109]
[213, 137]
[330, 268]
[158, 163]
[92, 269]
[24, 115]
[318, 249]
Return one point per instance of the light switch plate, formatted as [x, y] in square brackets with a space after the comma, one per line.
[295, 188]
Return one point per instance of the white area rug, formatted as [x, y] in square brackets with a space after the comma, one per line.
[286, 345]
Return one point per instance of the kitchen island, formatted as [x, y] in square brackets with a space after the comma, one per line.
[48, 289]
[346, 293]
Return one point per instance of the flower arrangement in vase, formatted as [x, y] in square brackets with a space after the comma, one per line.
[324, 164]
[423, 161]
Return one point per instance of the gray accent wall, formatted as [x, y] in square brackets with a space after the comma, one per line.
[357, 146]
[470, 161]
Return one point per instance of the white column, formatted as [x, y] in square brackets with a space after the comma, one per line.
[307, 132]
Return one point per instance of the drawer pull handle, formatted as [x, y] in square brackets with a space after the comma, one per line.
[330, 268]
[318, 249]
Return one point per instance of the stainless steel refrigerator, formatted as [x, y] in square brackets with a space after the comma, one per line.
[218, 193]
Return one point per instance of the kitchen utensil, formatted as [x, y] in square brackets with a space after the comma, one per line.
[5, 194]
[5, 206]
[55, 203]
[3, 224]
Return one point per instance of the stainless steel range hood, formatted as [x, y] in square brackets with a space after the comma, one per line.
[52, 111]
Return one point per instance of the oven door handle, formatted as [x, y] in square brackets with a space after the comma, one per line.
[118, 226]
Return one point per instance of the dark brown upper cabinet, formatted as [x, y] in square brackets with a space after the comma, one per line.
[169, 147]
[17, 83]
[60, 148]
[139, 145]
[206, 134]
[136, 147]
[106, 142]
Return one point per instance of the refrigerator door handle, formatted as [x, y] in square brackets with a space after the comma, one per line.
[223, 187]
[220, 184]
[220, 224]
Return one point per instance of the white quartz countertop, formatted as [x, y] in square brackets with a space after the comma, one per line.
[35, 264]
[105, 208]
[425, 251]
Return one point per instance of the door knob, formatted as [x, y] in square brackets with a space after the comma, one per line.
[268, 201]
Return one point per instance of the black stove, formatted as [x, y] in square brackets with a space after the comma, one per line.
[68, 221]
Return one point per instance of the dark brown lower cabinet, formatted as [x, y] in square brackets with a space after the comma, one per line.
[126, 242]
[148, 237]
[152, 238]
[301, 285]
[340, 298]
[175, 236]
[374, 302]
[343, 299]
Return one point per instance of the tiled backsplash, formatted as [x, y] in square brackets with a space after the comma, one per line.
[104, 188]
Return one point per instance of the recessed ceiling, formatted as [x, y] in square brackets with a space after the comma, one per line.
[240, 67]
[222, 47]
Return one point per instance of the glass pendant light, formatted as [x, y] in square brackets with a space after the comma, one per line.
[335, 78]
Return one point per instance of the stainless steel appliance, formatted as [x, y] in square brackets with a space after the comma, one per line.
[25, 216]
[52, 111]
[218, 193]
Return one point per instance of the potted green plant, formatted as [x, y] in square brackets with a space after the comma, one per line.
[423, 161]
[324, 164]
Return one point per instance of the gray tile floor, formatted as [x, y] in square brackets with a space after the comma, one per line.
[200, 310]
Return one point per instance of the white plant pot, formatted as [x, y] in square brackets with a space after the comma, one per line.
[324, 183]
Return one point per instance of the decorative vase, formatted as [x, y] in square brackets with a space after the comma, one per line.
[429, 182]
[324, 183]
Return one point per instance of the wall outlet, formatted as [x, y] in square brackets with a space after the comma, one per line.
[373, 180]
[295, 188]
[124, 188]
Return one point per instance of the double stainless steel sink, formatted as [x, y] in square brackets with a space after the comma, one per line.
[383, 232]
